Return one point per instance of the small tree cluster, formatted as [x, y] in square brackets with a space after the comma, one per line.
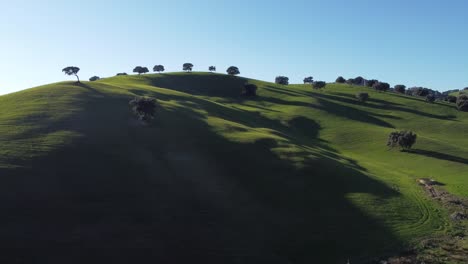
[451, 99]
[402, 139]
[233, 70]
[319, 85]
[362, 97]
[158, 68]
[250, 90]
[122, 74]
[308, 80]
[212, 68]
[370, 83]
[140, 70]
[144, 108]
[350, 81]
[381, 86]
[340, 79]
[94, 78]
[359, 81]
[462, 103]
[282, 80]
[188, 67]
[420, 91]
[72, 70]
[400, 88]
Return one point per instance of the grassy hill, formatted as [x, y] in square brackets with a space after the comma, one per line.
[293, 176]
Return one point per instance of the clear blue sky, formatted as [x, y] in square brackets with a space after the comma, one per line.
[417, 43]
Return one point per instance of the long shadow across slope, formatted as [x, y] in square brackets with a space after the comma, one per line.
[178, 192]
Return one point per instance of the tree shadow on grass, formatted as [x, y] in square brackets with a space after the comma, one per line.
[216, 85]
[176, 191]
[383, 105]
[438, 155]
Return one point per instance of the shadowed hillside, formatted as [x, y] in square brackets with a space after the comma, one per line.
[292, 176]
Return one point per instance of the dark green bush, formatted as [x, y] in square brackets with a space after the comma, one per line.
[282, 80]
[370, 83]
[340, 79]
[144, 107]
[94, 78]
[319, 84]
[400, 88]
[451, 99]
[402, 139]
[362, 97]
[381, 86]
[462, 102]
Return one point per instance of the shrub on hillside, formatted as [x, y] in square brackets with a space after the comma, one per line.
[402, 139]
[212, 68]
[340, 79]
[359, 81]
[451, 99]
[430, 98]
[350, 81]
[140, 70]
[250, 90]
[381, 86]
[462, 103]
[158, 68]
[122, 74]
[94, 78]
[400, 88]
[420, 91]
[308, 80]
[233, 70]
[319, 85]
[188, 67]
[282, 80]
[362, 97]
[370, 83]
[144, 108]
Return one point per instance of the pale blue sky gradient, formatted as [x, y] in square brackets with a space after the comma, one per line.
[417, 43]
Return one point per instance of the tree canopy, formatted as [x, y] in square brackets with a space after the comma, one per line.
[319, 85]
[282, 80]
[381, 86]
[212, 68]
[158, 68]
[340, 79]
[188, 67]
[72, 70]
[233, 70]
[308, 80]
[140, 70]
[403, 139]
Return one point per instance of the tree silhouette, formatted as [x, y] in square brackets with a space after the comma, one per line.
[282, 80]
[72, 70]
[140, 70]
[158, 68]
[212, 68]
[233, 70]
[319, 85]
[188, 67]
[309, 80]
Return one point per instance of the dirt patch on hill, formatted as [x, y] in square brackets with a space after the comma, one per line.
[450, 248]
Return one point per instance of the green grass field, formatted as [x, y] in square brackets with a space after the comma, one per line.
[292, 176]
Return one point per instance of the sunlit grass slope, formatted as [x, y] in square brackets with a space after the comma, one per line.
[293, 176]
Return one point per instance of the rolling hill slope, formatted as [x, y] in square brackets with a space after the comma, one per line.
[292, 176]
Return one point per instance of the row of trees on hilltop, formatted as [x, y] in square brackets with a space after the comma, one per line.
[187, 67]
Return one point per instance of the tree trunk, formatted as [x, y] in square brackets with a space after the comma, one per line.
[77, 77]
